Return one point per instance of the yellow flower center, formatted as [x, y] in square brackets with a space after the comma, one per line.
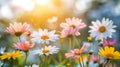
[109, 56]
[102, 29]
[44, 37]
[77, 52]
[73, 26]
[89, 38]
[45, 50]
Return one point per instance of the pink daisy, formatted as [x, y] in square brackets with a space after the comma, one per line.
[71, 27]
[74, 23]
[69, 31]
[18, 28]
[24, 46]
[75, 53]
[109, 42]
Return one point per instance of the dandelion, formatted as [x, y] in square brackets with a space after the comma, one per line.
[102, 29]
[18, 28]
[109, 53]
[44, 36]
[47, 50]
[24, 46]
[12, 55]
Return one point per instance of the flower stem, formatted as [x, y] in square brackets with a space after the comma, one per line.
[80, 62]
[19, 39]
[76, 40]
[107, 61]
[25, 58]
[70, 44]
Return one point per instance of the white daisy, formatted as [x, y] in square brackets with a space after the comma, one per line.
[43, 36]
[102, 29]
[48, 50]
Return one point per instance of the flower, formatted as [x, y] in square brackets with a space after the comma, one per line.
[18, 28]
[90, 39]
[109, 53]
[24, 46]
[75, 53]
[71, 27]
[102, 29]
[12, 55]
[47, 50]
[73, 23]
[109, 42]
[94, 59]
[69, 32]
[43, 36]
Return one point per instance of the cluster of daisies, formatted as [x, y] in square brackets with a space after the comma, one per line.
[100, 39]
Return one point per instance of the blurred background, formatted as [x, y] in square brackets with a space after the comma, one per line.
[50, 13]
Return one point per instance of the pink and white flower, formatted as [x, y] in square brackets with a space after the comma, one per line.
[71, 27]
[75, 53]
[109, 42]
[69, 31]
[18, 28]
[24, 46]
[74, 23]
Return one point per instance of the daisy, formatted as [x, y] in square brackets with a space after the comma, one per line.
[74, 23]
[44, 36]
[68, 32]
[109, 42]
[24, 46]
[102, 29]
[109, 53]
[18, 28]
[12, 55]
[47, 50]
[76, 52]
[71, 27]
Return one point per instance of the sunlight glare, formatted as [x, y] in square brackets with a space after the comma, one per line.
[42, 2]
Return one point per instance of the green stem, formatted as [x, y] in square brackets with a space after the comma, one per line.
[88, 60]
[46, 61]
[41, 61]
[19, 39]
[80, 63]
[107, 61]
[70, 44]
[76, 40]
[25, 58]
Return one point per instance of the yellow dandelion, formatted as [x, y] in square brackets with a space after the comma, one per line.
[109, 53]
[12, 55]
